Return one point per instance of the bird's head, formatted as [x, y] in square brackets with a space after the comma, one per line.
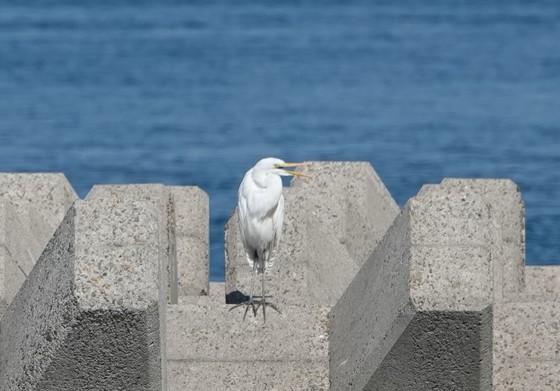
[278, 167]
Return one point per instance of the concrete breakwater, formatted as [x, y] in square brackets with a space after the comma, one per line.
[112, 292]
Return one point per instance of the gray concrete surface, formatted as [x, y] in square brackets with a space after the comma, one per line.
[91, 315]
[191, 221]
[527, 334]
[434, 297]
[333, 220]
[213, 333]
[210, 347]
[431, 290]
[50, 193]
[504, 197]
[253, 376]
[372, 313]
[450, 303]
[35, 326]
[451, 247]
[526, 340]
[186, 212]
[440, 350]
[31, 208]
[541, 283]
[14, 256]
[525, 309]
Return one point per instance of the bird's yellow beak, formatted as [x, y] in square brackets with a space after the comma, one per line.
[294, 173]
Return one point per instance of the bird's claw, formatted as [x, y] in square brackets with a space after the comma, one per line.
[255, 305]
[247, 303]
[267, 304]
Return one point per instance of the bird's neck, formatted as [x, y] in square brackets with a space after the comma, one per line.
[265, 181]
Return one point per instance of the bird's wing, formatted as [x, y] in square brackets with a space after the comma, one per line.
[242, 221]
[277, 222]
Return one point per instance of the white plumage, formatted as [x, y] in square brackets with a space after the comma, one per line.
[260, 209]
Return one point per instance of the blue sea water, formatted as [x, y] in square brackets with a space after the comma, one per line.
[195, 93]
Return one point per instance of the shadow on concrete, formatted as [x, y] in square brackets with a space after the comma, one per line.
[236, 297]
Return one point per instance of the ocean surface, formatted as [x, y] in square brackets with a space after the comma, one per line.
[194, 93]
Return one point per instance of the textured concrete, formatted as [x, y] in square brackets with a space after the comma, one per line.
[450, 304]
[91, 315]
[429, 290]
[332, 223]
[504, 197]
[191, 230]
[542, 283]
[209, 347]
[50, 194]
[255, 376]
[439, 350]
[212, 332]
[23, 233]
[437, 297]
[31, 208]
[525, 307]
[186, 211]
[451, 237]
[526, 346]
[14, 257]
[372, 313]
[527, 334]
[217, 292]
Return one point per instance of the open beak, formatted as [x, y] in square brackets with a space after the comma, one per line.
[294, 173]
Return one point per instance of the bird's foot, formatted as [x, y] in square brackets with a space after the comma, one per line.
[255, 305]
[249, 303]
[265, 304]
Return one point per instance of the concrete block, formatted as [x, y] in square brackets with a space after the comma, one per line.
[121, 231]
[210, 347]
[22, 233]
[240, 376]
[451, 278]
[526, 346]
[541, 283]
[527, 334]
[191, 228]
[527, 331]
[187, 232]
[213, 332]
[532, 375]
[91, 315]
[332, 223]
[50, 193]
[508, 213]
[31, 208]
[12, 253]
[11, 279]
[451, 235]
[439, 350]
[373, 312]
[216, 296]
[217, 292]
[112, 199]
[418, 314]
[36, 323]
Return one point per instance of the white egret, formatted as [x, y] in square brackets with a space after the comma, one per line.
[260, 211]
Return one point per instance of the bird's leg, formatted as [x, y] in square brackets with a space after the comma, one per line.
[263, 294]
[249, 302]
[263, 300]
